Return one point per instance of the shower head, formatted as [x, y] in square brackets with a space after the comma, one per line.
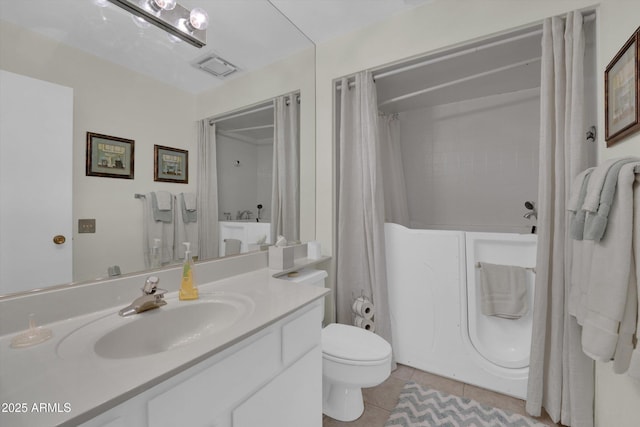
[529, 205]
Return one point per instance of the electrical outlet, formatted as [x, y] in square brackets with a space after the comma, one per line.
[86, 225]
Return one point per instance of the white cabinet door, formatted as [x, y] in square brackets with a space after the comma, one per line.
[36, 152]
[292, 399]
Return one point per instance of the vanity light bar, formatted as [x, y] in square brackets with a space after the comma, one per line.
[175, 21]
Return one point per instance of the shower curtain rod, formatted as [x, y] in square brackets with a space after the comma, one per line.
[249, 128]
[249, 111]
[381, 75]
[461, 80]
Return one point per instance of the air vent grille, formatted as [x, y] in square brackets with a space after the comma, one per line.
[216, 66]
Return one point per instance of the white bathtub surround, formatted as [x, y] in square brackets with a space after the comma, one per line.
[285, 191]
[435, 303]
[207, 191]
[561, 376]
[157, 389]
[361, 268]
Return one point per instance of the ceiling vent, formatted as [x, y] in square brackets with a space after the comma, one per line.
[216, 66]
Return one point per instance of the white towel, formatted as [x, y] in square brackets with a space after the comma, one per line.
[503, 291]
[232, 246]
[185, 231]
[189, 201]
[609, 272]
[596, 182]
[152, 229]
[165, 200]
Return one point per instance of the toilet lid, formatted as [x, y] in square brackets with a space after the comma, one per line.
[352, 343]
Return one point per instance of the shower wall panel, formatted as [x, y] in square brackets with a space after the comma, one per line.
[471, 165]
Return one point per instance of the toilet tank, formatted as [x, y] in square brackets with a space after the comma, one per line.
[309, 276]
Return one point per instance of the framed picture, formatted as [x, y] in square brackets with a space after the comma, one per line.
[109, 156]
[170, 165]
[622, 90]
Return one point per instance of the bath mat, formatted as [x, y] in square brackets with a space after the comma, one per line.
[421, 406]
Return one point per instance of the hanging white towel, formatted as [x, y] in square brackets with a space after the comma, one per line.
[189, 201]
[152, 230]
[232, 246]
[503, 291]
[186, 230]
[162, 206]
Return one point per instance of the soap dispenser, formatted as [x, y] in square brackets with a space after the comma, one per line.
[188, 290]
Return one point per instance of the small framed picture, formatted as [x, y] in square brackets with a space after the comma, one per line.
[622, 90]
[109, 156]
[170, 165]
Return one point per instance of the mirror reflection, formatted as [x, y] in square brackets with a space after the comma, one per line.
[106, 75]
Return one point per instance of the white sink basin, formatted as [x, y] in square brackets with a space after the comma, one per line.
[175, 325]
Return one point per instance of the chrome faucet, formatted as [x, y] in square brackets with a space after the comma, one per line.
[532, 210]
[241, 214]
[152, 297]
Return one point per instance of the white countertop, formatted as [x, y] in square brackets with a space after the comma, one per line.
[84, 385]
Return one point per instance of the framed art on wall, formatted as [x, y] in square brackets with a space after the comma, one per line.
[170, 165]
[109, 156]
[622, 90]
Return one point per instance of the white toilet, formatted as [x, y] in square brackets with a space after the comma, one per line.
[352, 358]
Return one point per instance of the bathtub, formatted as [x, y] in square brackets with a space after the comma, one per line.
[434, 303]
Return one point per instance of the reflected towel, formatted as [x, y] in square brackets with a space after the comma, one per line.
[189, 201]
[162, 211]
[503, 291]
[188, 207]
[232, 246]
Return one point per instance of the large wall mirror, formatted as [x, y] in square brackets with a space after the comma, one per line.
[129, 80]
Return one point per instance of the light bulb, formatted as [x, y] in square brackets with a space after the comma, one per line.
[198, 18]
[140, 22]
[158, 6]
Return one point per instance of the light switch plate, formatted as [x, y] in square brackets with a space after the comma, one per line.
[87, 225]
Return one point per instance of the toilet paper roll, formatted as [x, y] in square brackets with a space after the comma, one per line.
[363, 307]
[363, 323]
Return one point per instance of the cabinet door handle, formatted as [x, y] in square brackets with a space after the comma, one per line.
[59, 239]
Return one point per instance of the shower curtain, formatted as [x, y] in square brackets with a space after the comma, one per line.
[285, 191]
[361, 265]
[396, 207]
[207, 191]
[561, 377]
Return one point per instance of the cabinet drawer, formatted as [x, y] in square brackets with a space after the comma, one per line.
[301, 334]
[198, 400]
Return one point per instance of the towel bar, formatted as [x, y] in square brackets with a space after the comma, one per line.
[533, 269]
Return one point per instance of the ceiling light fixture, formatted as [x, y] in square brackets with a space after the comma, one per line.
[188, 25]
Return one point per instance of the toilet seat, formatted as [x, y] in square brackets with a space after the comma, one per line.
[353, 346]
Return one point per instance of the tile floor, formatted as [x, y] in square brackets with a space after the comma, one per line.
[379, 401]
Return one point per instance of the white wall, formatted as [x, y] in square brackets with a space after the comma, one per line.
[436, 26]
[471, 165]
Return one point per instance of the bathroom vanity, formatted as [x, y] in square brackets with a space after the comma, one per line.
[247, 353]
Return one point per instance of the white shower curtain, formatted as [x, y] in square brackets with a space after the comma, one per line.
[207, 191]
[285, 192]
[396, 207]
[561, 377]
[361, 267]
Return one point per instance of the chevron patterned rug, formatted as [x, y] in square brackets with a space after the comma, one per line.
[421, 406]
